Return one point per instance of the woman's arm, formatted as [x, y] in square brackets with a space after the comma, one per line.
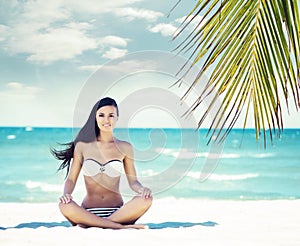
[73, 175]
[130, 171]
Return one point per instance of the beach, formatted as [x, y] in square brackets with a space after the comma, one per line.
[171, 221]
[250, 198]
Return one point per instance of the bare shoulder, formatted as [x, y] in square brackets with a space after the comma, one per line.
[81, 146]
[125, 147]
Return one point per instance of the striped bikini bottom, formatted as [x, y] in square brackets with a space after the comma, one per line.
[102, 212]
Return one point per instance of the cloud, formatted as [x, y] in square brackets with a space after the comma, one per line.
[127, 66]
[26, 104]
[96, 6]
[19, 90]
[46, 31]
[14, 85]
[113, 41]
[3, 30]
[114, 53]
[194, 19]
[89, 68]
[43, 12]
[56, 44]
[110, 43]
[133, 13]
[164, 29]
[37, 34]
[62, 9]
[172, 28]
[109, 50]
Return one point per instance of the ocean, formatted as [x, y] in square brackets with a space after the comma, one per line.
[173, 162]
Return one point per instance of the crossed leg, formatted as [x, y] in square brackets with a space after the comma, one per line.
[131, 211]
[128, 214]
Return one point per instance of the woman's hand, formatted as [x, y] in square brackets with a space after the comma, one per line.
[66, 198]
[144, 192]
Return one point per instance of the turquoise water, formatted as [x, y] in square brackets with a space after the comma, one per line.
[173, 162]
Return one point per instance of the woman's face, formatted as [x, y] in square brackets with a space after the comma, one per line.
[106, 118]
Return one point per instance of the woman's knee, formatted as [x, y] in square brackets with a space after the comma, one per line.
[66, 208]
[144, 202]
[68, 211]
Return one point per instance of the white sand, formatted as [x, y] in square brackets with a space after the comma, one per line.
[177, 222]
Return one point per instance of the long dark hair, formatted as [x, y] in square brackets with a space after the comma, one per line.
[88, 133]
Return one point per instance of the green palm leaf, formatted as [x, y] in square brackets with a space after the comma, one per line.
[253, 47]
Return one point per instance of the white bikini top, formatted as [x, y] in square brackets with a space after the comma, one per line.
[112, 168]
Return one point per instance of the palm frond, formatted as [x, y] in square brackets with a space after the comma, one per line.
[254, 50]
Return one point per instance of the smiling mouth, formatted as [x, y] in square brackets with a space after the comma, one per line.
[106, 125]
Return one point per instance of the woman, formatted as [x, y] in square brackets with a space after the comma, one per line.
[101, 158]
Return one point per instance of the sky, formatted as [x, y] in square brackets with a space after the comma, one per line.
[59, 57]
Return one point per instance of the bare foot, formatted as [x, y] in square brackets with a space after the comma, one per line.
[136, 226]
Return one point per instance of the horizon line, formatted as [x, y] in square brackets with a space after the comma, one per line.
[200, 128]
